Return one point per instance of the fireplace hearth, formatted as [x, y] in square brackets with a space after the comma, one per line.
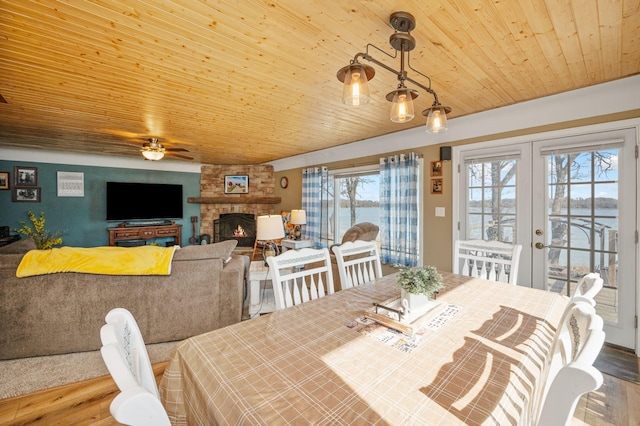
[235, 226]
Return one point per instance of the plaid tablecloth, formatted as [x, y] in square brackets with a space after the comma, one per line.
[303, 365]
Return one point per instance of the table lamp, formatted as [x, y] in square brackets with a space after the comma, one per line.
[269, 228]
[298, 218]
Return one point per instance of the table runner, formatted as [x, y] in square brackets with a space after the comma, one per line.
[302, 365]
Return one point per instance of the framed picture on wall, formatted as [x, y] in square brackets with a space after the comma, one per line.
[436, 168]
[30, 194]
[4, 180]
[236, 184]
[25, 176]
[436, 186]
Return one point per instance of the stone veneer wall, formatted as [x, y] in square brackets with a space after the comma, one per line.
[261, 184]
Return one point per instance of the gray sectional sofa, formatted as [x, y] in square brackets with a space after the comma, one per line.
[62, 313]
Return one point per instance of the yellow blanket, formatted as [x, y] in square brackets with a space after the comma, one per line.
[143, 260]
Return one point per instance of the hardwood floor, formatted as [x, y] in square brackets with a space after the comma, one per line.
[87, 403]
[84, 403]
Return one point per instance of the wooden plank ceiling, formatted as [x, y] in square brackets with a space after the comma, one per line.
[245, 82]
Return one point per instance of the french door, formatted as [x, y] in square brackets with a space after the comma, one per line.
[561, 199]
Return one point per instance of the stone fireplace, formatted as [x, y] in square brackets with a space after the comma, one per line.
[214, 203]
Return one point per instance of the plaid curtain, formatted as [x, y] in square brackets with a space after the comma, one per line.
[399, 176]
[315, 202]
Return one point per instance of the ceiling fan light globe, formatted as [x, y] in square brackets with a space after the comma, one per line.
[153, 155]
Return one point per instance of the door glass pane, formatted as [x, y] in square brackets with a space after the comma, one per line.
[358, 201]
[583, 223]
[491, 200]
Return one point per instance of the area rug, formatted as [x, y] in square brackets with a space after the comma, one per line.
[23, 376]
[618, 363]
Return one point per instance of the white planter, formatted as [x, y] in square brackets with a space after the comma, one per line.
[417, 304]
[415, 301]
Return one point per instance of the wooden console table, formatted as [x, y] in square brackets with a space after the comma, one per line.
[145, 233]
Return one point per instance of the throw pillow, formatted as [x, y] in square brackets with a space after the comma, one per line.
[221, 250]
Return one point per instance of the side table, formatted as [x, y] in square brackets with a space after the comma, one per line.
[296, 244]
[261, 299]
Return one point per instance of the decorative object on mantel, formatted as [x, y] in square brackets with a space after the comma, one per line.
[298, 218]
[44, 239]
[237, 184]
[355, 77]
[269, 229]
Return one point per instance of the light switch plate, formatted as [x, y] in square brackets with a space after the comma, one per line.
[439, 211]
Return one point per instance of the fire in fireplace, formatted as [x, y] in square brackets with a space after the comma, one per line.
[235, 226]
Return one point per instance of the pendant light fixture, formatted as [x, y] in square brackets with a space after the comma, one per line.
[356, 77]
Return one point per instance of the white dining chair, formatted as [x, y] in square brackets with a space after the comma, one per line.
[588, 288]
[358, 262]
[569, 372]
[294, 284]
[127, 360]
[490, 260]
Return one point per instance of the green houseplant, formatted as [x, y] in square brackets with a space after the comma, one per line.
[425, 280]
[44, 239]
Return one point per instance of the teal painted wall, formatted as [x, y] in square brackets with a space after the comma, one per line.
[83, 218]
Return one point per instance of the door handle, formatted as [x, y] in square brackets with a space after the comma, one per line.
[540, 246]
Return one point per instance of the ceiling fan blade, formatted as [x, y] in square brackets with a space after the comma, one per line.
[184, 157]
[175, 149]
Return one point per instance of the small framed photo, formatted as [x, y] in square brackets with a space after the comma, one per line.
[25, 176]
[436, 168]
[4, 180]
[236, 184]
[436, 186]
[27, 194]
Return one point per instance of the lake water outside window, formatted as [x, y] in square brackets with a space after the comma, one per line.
[356, 199]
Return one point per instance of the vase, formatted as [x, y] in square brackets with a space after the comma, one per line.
[415, 302]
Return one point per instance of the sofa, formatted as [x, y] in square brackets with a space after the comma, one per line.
[63, 312]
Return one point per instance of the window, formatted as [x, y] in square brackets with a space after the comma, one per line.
[355, 198]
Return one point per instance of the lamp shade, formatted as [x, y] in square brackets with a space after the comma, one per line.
[269, 228]
[355, 91]
[402, 105]
[437, 120]
[298, 217]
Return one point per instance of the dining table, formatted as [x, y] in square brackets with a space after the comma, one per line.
[476, 358]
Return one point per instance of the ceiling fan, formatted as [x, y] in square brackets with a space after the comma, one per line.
[154, 151]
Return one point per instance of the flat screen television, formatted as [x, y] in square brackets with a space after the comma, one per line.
[143, 201]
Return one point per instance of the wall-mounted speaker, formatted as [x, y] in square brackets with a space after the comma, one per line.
[445, 153]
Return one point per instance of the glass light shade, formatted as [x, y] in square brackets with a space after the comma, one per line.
[437, 120]
[153, 155]
[269, 228]
[355, 91]
[298, 217]
[402, 106]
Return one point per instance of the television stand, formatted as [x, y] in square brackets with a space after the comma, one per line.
[146, 233]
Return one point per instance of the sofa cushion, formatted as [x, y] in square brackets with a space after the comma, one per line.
[221, 250]
[19, 247]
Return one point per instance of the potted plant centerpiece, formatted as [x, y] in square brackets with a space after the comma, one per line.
[417, 286]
